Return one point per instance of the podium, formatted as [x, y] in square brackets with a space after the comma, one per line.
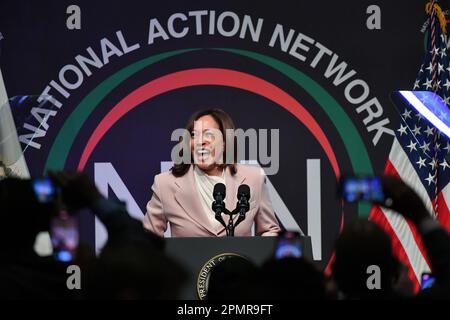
[200, 255]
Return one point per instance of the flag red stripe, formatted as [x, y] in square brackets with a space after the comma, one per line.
[378, 217]
[390, 169]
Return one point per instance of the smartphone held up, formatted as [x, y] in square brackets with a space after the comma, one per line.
[288, 245]
[353, 189]
[64, 233]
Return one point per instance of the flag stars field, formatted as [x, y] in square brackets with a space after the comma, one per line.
[423, 168]
[412, 146]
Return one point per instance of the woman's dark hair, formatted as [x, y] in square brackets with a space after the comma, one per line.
[225, 122]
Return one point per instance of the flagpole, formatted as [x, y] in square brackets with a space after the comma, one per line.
[11, 155]
[435, 83]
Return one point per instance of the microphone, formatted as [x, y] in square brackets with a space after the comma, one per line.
[218, 205]
[219, 192]
[243, 204]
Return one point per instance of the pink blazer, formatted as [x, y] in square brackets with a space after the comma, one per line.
[176, 201]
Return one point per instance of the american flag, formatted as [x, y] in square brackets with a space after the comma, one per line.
[418, 157]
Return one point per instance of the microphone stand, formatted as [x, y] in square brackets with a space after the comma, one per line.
[229, 229]
[219, 209]
[231, 225]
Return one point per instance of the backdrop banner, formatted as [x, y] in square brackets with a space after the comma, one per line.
[125, 75]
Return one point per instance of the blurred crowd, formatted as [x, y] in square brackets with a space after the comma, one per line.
[134, 265]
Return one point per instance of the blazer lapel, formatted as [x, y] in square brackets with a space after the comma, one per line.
[188, 198]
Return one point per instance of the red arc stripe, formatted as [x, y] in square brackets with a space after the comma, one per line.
[208, 76]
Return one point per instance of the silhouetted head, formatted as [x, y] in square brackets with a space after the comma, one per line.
[135, 271]
[233, 278]
[292, 278]
[361, 250]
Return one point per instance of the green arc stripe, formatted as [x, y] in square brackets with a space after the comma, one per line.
[353, 143]
[61, 146]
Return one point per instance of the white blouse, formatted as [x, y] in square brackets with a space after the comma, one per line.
[205, 187]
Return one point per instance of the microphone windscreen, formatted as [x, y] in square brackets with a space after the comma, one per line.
[244, 190]
[219, 188]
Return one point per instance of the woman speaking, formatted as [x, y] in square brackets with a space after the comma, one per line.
[183, 196]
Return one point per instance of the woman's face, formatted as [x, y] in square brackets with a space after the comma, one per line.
[206, 143]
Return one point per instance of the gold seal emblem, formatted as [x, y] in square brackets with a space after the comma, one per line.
[205, 271]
